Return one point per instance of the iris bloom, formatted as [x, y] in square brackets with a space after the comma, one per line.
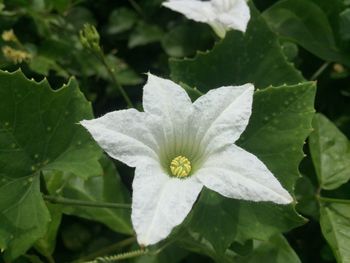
[221, 15]
[178, 147]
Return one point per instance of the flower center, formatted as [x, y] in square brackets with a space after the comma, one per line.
[180, 167]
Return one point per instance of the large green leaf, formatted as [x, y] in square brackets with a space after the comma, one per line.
[38, 132]
[275, 250]
[46, 244]
[276, 133]
[255, 57]
[106, 187]
[330, 152]
[279, 125]
[23, 215]
[170, 254]
[235, 220]
[335, 225]
[306, 23]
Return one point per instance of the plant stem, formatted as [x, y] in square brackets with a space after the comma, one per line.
[74, 202]
[333, 200]
[118, 257]
[107, 250]
[115, 81]
[319, 71]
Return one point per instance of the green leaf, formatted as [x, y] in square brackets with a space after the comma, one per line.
[345, 24]
[43, 65]
[184, 40]
[121, 20]
[39, 130]
[308, 25]
[195, 242]
[305, 193]
[275, 250]
[171, 254]
[23, 215]
[61, 5]
[145, 34]
[38, 133]
[79, 16]
[106, 187]
[335, 226]
[255, 57]
[330, 152]
[46, 244]
[279, 125]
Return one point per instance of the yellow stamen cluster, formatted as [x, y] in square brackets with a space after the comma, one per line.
[15, 55]
[180, 167]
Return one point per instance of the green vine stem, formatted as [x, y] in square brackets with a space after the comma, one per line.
[107, 250]
[90, 39]
[333, 200]
[74, 202]
[319, 71]
[118, 257]
[110, 71]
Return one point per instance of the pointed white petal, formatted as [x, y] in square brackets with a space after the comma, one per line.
[163, 97]
[160, 202]
[236, 173]
[236, 16]
[199, 11]
[222, 115]
[124, 135]
[170, 106]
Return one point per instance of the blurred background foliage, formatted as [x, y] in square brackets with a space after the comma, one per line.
[42, 38]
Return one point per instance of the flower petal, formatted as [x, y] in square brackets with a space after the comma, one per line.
[222, 115]
[193, 9]
[169, 105]
[163, 97]
[236, 173]
[218, 27]
[235, 14]
[124, 135]
[160, 202]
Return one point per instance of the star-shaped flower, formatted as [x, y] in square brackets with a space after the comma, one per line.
[178, 147]
[221, 15]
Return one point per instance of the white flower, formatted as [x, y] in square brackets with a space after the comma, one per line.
[221, 15]
[178, 147]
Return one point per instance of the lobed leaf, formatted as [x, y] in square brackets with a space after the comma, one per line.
[254, 57]
[279, 125]
[38, 133]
